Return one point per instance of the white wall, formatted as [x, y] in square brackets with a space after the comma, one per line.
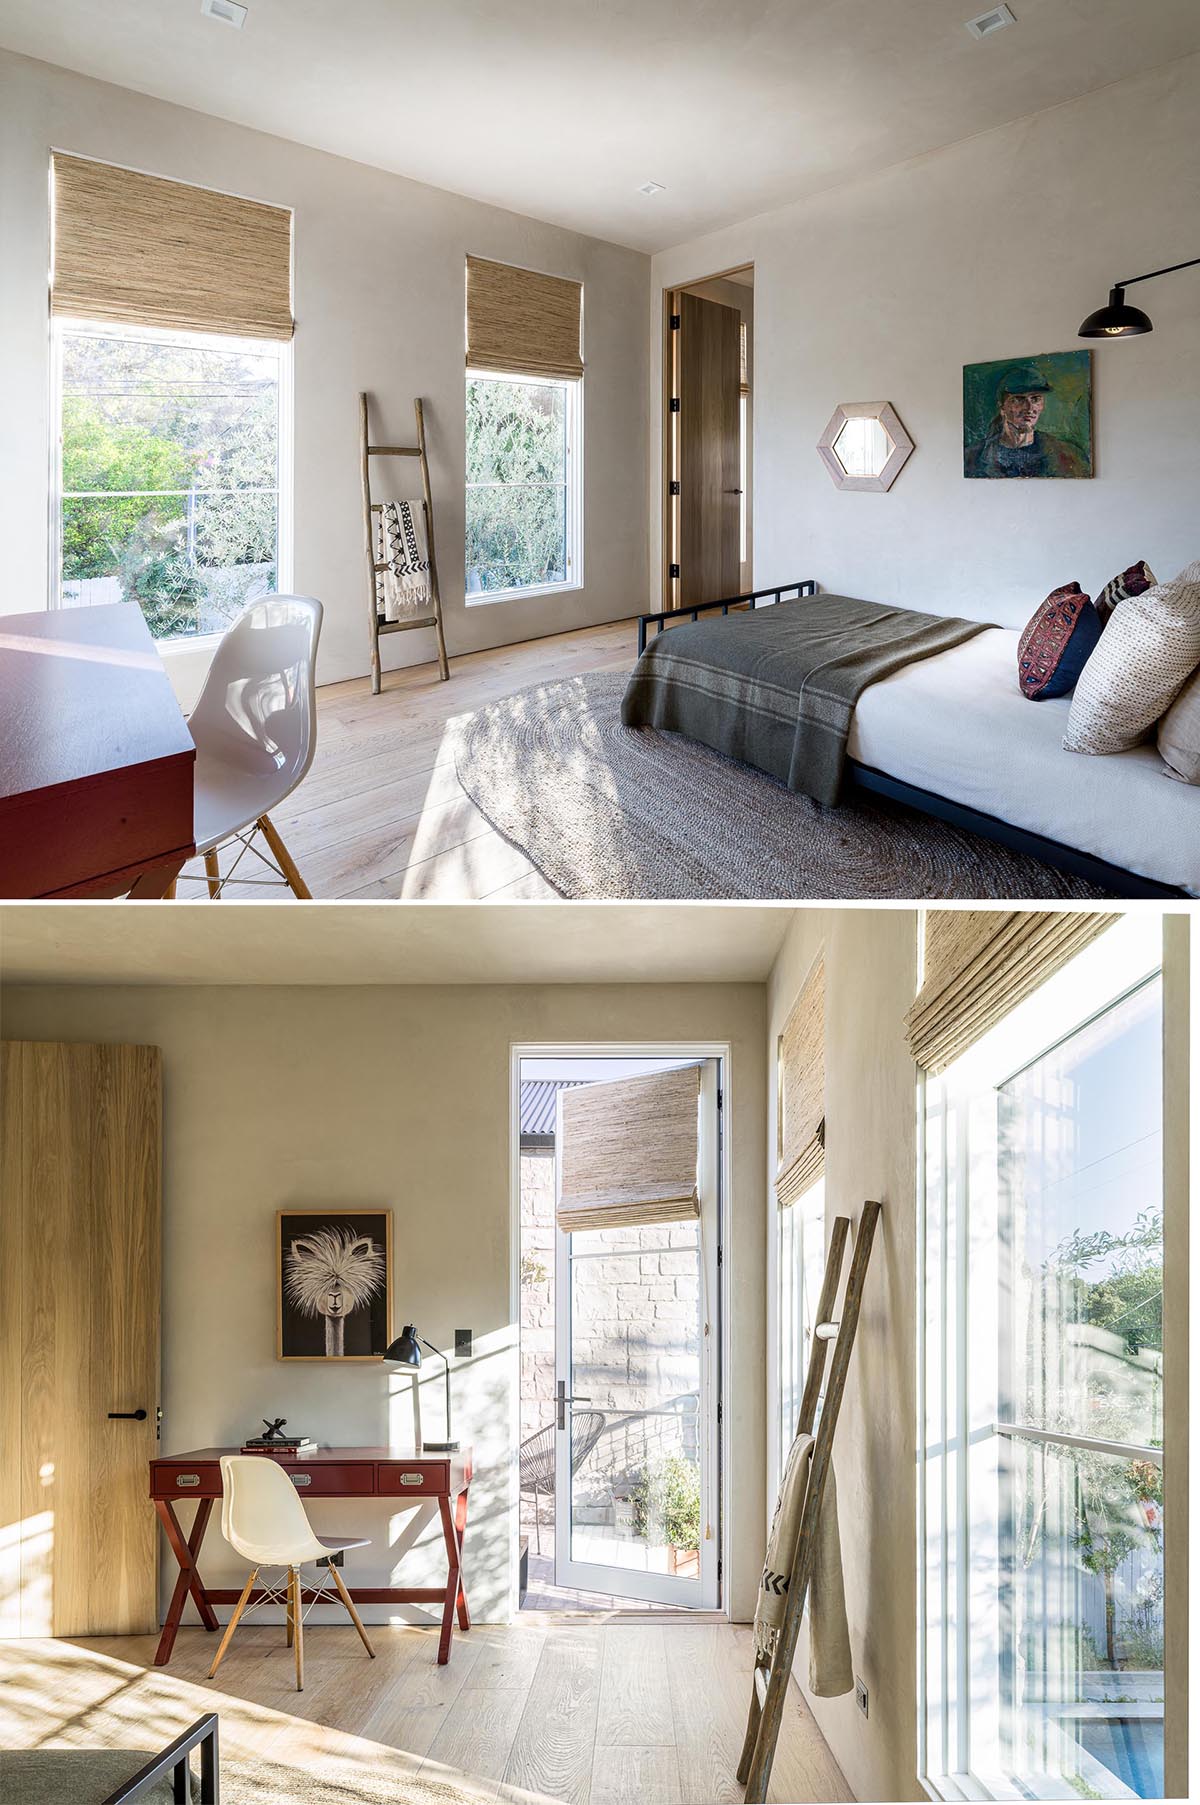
[379, 306]
[884, 288]
[870, 1152]
[395, 1098]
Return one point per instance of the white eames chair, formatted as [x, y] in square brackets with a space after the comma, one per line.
[264, 1520]
[255, 729]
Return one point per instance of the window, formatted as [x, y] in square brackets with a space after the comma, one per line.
[1043, 1375]
[801, 1270]
[523, 485]
[172, 487]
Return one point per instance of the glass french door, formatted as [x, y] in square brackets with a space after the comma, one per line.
[636, 1381]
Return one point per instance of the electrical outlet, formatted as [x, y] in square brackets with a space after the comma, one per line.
[464, 1344]
[860, 1695]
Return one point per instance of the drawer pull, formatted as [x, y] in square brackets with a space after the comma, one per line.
[187, 1479]
[301, 1478]
[412, 1478]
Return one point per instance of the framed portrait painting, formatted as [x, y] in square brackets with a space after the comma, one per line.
[333, 1284]
[1028, 417]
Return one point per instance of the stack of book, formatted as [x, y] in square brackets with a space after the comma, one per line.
[287, 1445]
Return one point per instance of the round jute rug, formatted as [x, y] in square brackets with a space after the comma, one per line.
[606, 811]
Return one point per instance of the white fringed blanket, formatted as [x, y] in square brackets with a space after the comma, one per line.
[404, 553]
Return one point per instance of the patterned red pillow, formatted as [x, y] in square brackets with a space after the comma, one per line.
[1057, 644]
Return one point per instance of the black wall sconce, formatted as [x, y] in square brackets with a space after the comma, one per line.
[1119, 319]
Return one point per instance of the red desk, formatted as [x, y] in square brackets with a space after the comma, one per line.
[329, 1473]
[96, 762]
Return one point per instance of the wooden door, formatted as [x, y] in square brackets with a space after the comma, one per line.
[708, 363]
[80, 1265]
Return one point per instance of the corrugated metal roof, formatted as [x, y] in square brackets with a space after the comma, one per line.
[538, 1102]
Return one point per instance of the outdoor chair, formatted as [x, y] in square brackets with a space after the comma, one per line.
[537, 1458]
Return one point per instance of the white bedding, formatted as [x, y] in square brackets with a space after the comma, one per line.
[957, 724]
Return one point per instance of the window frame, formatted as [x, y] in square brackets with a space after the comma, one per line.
[572, 487]
[62, 325]
[1100, 978]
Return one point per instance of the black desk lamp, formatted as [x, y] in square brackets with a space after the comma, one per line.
[406, 1351]
[1119, 319]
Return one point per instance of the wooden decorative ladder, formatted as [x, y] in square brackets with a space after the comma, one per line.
[371, 509]
[771, 1678]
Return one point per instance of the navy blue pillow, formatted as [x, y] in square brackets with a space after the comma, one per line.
[1057, 644]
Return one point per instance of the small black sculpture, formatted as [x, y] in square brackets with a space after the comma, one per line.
[274, 1430]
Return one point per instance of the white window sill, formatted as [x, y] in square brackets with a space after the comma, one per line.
[481, 598]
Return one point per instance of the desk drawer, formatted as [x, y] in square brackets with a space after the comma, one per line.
[317, 1479]
[186, 1479]
[412, 1478]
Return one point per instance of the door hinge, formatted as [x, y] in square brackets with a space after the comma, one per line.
[720, 1099]
[673, 570]
[676, 322]
[720, 1254]
[676, 488]
[720, 1411]
[674, 404]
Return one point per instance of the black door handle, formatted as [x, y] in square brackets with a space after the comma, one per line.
[137, 1416]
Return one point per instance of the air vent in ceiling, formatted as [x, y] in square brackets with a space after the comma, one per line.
[988, 22]
[652, 187]
[227, 11]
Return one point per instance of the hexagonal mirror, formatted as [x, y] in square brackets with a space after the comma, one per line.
[865, 445]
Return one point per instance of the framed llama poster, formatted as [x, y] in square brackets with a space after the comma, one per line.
[333, 1284]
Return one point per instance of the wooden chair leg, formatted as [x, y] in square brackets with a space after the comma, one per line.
[298, 1625]
[238, 1608]
[169, 892]
[212, 871]
[349, 1604]
[284, 858]
[291, 1628]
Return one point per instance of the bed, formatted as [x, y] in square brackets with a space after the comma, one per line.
[951, 735]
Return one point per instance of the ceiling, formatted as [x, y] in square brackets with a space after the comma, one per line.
[561, 108]
[471, 943]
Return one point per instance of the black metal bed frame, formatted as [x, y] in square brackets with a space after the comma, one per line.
[174, 1760]
[1124, 884]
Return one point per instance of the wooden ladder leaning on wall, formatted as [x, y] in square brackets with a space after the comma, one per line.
[433, 616]
[769, 1689]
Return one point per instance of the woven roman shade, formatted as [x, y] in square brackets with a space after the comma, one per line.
[628, 1151]
[521, 322]
[801, 1132]
[140, 250]
[979, 964]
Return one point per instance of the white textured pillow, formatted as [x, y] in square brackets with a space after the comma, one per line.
[1179, 734]
[1146, 654]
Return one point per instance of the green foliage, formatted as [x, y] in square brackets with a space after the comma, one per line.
[516, 439]
[150, 416]
[666, 1502]
[155, 573]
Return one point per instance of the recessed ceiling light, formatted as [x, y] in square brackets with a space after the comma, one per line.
[652, 187]
[227, 11]
[995, 20]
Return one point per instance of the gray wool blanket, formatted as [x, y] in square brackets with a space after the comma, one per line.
[776, 687]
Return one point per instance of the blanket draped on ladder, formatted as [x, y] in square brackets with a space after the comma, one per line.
[404, 553]
[830, 1669]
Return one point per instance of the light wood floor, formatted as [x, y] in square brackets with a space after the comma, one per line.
[591, 1714]
[381, 814]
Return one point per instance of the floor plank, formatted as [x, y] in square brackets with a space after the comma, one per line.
[381, 813]
[635, 1694]
[524, 1714]
[554, 1747]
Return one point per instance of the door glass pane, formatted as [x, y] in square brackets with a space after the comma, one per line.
[1080, 1181]
[1081, 1646]
[636, 1340]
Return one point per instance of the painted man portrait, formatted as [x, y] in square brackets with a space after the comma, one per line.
[1017, 440]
